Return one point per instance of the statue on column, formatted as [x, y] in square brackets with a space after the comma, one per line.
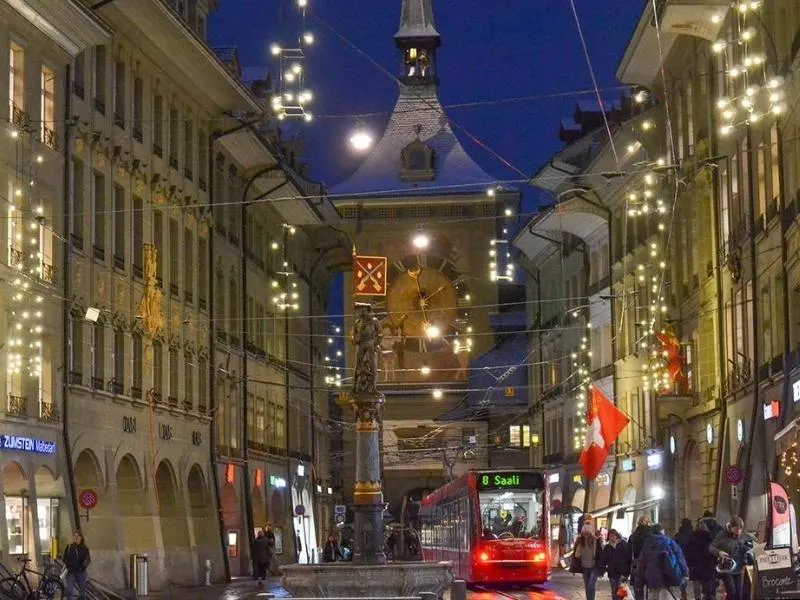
[367, 337]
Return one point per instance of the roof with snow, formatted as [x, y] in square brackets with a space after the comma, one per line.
[417, 109]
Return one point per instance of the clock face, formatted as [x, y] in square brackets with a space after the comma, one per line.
[426, 313]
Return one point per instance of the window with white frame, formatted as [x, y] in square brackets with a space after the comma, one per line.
[48, 107]
[16, 82]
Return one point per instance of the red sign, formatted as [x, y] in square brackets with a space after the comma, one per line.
[87, 499]
[734, 475]
[369, 275]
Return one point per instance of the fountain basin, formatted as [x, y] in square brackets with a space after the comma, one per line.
[339, 580]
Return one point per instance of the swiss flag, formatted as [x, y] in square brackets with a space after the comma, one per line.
[605, 422]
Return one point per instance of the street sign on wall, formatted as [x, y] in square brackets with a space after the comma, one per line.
[87, 499]
[733, 475]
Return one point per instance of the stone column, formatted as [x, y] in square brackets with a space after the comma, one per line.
[368, 503]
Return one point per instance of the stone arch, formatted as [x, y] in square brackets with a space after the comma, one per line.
[100, 530]
[201, 509]
[15, 480]
[172, 512]
[88, 470]
[693, 482]
[137, 522]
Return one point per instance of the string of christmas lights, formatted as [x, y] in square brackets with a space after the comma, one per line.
[293, 97]
[582, 369]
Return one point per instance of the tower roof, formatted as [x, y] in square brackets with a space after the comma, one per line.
[418, 115]
[416, 20]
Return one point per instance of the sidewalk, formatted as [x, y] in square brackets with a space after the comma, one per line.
[238, 589]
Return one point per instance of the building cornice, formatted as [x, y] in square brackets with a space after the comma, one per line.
[166, 32]
[74, 30]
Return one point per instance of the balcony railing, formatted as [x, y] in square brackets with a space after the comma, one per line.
[49, 138]
[75, 378]
[173, 161]
[17, 406]
[19, 118]
[16, 258]
[119, 120]
[137, 133]
[100, 105]
[48, 273]
[48, 411]
[158, 150]
[78, 89]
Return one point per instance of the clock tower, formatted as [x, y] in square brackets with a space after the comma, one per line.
[421, 201]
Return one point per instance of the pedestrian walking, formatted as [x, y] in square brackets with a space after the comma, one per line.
[76, 560]
[702, 563]
[261, 551]
[711, 524]
[683, 539]
[587, 555]
[662, 566]
[636, 542]
[733, 549]
[616, 560]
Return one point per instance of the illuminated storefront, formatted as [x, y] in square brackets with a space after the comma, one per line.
[32, 493]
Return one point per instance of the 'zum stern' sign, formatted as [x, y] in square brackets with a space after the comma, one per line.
[369, 275]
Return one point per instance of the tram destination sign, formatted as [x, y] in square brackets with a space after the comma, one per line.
[501, 480]
[26, 444]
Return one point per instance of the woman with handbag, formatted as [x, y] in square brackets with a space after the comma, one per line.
[76, 561]
[587, 556]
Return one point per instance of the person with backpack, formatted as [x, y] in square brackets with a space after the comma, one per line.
[683, 538]
[733, 549]
[662, 566]
[702, 564]
[615, 560]
[636, 542]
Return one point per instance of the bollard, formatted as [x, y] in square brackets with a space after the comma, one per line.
[458, 591]
[208, 572]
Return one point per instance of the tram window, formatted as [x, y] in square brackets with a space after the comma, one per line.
[511, 514]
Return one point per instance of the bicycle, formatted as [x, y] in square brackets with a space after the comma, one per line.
[19, 587]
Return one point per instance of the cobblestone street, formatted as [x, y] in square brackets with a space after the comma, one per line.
[563, 586]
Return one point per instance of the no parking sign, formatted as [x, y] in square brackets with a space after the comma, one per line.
[87, 499]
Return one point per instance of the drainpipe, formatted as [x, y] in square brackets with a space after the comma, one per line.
[755, 322]
[68, 216]
[248, 496]
[787, 342]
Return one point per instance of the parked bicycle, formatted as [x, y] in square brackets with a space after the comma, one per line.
[19, 586]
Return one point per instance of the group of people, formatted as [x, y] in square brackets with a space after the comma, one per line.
[660, 567]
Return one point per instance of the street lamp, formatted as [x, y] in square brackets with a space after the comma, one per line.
[361, 138]
[421, 241]
[657, 492]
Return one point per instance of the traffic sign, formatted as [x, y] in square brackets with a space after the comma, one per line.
[339, 509]
[299, 510]
[734, 475]
[339, 519]
[87, 499]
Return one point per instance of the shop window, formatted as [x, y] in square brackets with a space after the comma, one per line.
[15, 524]
[47, 509]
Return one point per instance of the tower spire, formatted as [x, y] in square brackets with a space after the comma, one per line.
[418, 40]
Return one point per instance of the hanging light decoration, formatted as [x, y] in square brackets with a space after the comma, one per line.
[293, 98]
[286, 296]
[755, 93]
[582, 368]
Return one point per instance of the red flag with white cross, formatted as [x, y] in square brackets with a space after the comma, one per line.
[604, 424]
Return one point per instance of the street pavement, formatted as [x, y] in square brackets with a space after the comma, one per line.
[563, 586]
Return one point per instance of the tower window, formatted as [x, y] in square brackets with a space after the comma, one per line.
[417, 62]
[417, 162]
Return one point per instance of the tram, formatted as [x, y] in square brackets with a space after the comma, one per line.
[492, 525]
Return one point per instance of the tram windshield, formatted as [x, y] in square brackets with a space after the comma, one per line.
[510, 514]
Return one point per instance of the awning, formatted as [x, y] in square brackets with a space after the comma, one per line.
[787, 436]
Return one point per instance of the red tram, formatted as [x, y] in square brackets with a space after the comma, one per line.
[492, 525]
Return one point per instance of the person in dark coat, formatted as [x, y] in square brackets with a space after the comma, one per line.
[712, 524]
[733, 544]
[261, 551]
[331, 552]
[650, 567]
[636, 542]
[76, 561]
[615, 560]
[702, 564]
[683, 538]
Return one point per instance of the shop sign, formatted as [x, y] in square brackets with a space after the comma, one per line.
[774, 573]
[577, 479]
[796, 391]
[26, 444]
[628, 465]
[603, 479]
[772, 410]
[129, 424]
[277, 482]
[553, 478]
[655, 460]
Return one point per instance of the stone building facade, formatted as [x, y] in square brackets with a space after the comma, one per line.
[178, 429]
